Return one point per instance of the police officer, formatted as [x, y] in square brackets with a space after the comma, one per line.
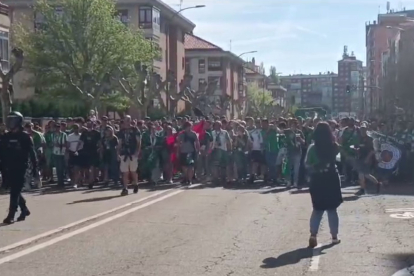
[16, 149]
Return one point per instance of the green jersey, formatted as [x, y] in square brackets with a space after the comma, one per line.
[349, 138]
[270, 140]
[38, 139]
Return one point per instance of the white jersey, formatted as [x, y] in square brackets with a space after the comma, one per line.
[257, 138]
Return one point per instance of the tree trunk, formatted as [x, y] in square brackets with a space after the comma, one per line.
[6, 101]
[173, 107]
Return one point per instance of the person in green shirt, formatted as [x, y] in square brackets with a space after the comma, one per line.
[48, 149]
[294, 141]
[38, 138]
[38, 143]
[349, 140]
[325, 184]
[151, 144]
[281, 161]
[271, 149]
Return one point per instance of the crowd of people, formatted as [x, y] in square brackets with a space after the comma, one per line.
[122, 152]
[290, 151]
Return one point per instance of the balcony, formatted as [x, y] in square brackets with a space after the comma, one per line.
[4, 9]
[149, 21]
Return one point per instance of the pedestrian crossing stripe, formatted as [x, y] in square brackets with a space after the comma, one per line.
[399, 210]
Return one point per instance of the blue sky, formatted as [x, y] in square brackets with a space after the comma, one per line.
[296, 36]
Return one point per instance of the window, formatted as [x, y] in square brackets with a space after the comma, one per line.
[215, 79]
[187, 66]
[4, 50]
[156, 16]
[156, 19]
[123, 16]
[201, 66]
[145, 17]
[214, 64]
[40, 18]
[201, 82]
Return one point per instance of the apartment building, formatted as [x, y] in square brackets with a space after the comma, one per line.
[350, 75]
[4, 36]
[378, 35]
[158, 22]
[309, 90]
[207, 63]
[254, 73]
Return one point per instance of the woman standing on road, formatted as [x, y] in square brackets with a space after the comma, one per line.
[325, 187]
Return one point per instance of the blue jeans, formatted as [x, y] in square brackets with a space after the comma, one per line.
[59, 162]
[316, 218]
[271, 158]
[294, 161]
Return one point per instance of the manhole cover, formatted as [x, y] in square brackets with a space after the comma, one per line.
[409, 271]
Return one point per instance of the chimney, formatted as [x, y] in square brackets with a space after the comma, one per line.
[253, 61]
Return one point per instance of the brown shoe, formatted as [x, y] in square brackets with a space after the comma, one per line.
[313, 242]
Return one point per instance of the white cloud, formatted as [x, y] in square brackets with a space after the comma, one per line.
[266, 39]
[312, 32]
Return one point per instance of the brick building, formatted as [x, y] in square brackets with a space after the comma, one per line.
[207, 63]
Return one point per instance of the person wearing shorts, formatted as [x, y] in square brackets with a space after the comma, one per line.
[129, 138]
[189, 147]
[257, 158]
[365, 160]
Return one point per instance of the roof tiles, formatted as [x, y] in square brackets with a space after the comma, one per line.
[193, 42]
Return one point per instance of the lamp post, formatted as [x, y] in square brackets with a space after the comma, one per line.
[167, 63]
[250, 52]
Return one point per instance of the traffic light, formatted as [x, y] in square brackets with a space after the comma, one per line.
[348, 89]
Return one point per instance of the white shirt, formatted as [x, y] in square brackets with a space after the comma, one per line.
[73, 141]
[257, 139]
[220, 139]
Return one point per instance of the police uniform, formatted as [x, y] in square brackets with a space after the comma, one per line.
[16, 150]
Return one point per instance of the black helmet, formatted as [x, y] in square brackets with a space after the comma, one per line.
[14, 120]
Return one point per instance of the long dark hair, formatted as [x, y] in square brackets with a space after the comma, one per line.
[325, 146]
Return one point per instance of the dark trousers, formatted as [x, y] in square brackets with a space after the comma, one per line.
[4, 183]
[15, 180]
[302, 169]
[59, 162]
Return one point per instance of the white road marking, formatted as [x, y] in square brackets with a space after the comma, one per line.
[397, 210]
[409, 271]
[405, 215]
[316, 255]
[71, 225]
[82, 230]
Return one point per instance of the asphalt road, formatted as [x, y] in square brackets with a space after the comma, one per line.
[206, 231]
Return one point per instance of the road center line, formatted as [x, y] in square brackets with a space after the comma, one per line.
[316, 255]
[83, 229]
[71, 225]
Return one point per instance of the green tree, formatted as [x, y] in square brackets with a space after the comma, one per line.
[260, 102]
[78, 54]
[274, 76]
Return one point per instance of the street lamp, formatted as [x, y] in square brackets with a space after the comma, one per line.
[192, 7]
[250, 52]
[167, 30]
